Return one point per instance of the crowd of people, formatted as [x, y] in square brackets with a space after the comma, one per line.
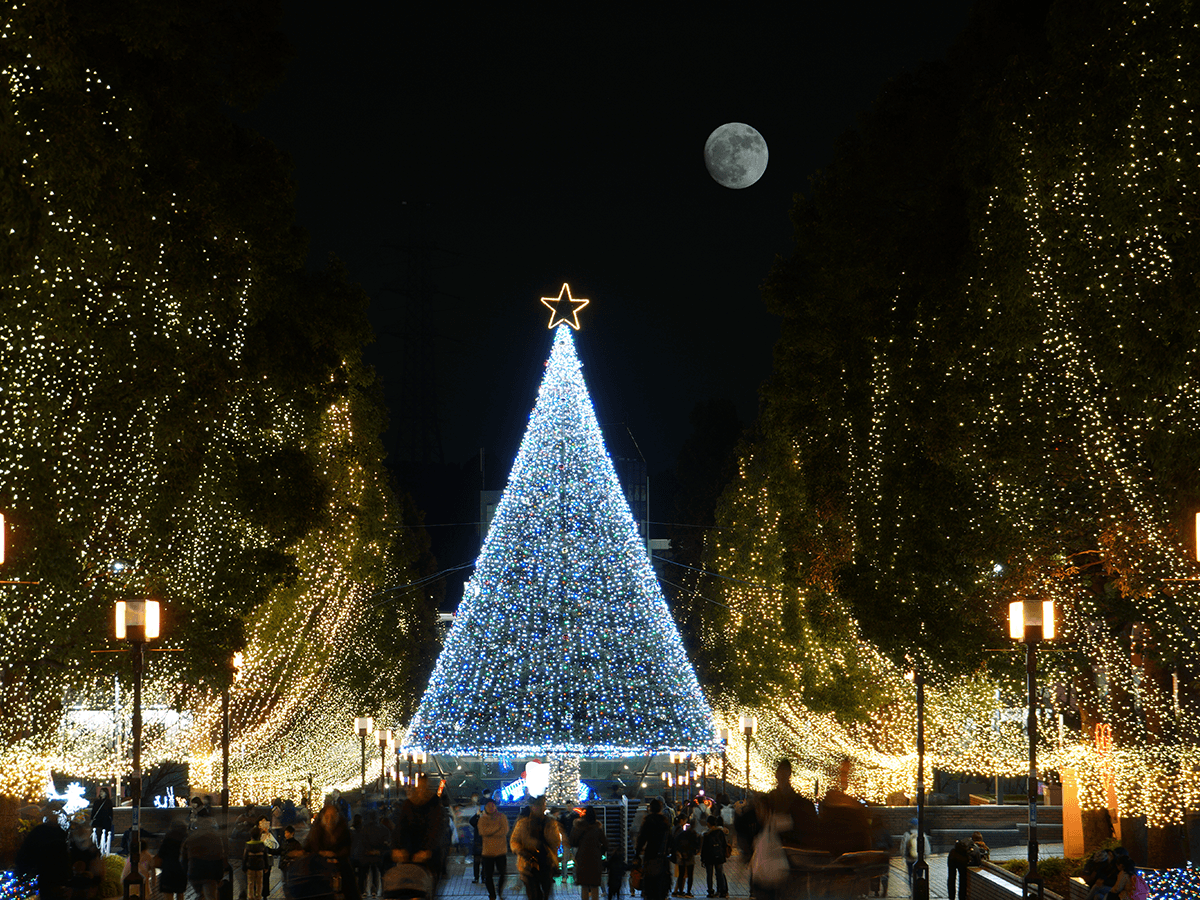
[401, 851]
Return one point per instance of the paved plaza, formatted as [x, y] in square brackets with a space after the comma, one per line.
[458, 884]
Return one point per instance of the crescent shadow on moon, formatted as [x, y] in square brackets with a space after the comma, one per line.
[735, 155]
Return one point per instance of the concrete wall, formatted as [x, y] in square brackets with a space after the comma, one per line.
[1002, 826]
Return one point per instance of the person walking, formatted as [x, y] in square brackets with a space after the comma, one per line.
[653, 846]
[714, 848]
[685, 845]
[493, 830]
[908, 847]
[330, 837]
[205, 856]
[535, 840]
[172, 877]
[590, 843]
[420, 833]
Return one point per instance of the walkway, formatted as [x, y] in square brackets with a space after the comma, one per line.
[458, 884]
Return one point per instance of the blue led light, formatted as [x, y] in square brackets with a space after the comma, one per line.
[563, 642]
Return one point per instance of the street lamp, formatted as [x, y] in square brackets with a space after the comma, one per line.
[364, 726]
[235, 666]
[920, 872]
[676, 759]
[136, 622]
[724, 770]
[419, 759]
[749, 726]
[1031, 621]
[384, 736]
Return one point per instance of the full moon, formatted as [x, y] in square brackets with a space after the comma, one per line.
[735, 155]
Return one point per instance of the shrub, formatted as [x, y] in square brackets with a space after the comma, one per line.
[113, 865]
[1056, 872]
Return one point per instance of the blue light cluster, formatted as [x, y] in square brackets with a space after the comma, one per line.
[514, 792]
[563, 642]
[14, 888]
[1173, 884]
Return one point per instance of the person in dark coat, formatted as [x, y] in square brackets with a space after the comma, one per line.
[653, 847]
[87, 862]
[205, 856]
[330, 837]
[172, 879]
[713, 849]
[420, 832]
[43, 855]
[102, 817]
[590, 843]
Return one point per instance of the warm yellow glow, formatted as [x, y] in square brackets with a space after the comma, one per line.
[384, 736]
[363, 725]
[749, 725]
[137, 614]
[237, 665]
[564, 307]
[1030, 612]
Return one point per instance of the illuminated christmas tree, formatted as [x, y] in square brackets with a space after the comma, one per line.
[563, 643]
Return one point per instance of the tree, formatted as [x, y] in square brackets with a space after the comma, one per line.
[563, 642]
[180, 395]
[988, 356]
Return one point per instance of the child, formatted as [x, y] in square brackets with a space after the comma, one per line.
[254, 862]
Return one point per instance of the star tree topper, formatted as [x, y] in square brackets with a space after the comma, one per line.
[564, 307]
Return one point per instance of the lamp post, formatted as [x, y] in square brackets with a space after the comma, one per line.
[1031, 621]
[364, 726]
[749, 726]
[724, 761]
[676, 759]
[384, 736]
[920, 874]
[396, 748]
[419, 759]
[235, 666]
[137, 622]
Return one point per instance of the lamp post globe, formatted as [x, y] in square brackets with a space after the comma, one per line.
[1032, 621]
[364, 726]
[749, 727]
[137, 621]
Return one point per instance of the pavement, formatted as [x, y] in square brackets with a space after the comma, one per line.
[458, 883]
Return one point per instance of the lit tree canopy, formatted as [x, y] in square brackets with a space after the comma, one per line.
[990, 337]
[563, 642]
[176, 392]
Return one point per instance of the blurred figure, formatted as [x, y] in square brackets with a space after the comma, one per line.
[87, 863]
[653, 846]
[43, 855]
[714, 849]
[329, 837]
[420, 831]
[493, 831]
[172, 878]
[908, 847]
[535, 840]
[254, 861]
[205, 856]
[796, 816]
[685, 845]
[590, 843]
[880, 840]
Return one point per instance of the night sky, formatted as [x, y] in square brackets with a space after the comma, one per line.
[526, 151]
